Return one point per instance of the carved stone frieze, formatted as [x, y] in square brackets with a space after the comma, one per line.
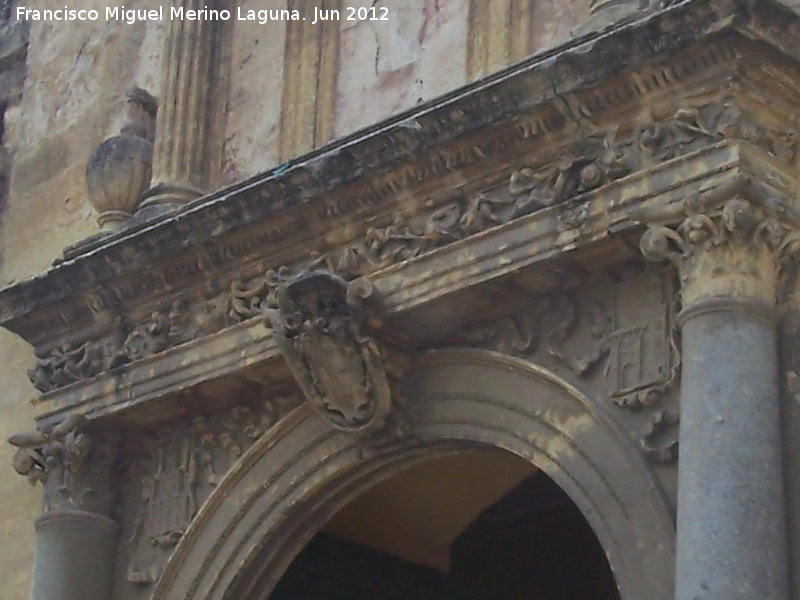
[162, 329]
[490, 123]
[67, 364]
[74, 467]
[555, 183]
[700, 122]
[616, 336]
[592, 162]
[323, 326]
[177, 468]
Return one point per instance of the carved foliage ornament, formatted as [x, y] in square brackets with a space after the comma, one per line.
[697, 124]
[733, 249]
[162, 329]
[179, 467]
[590, 163]
[73, 468]
[321, 324]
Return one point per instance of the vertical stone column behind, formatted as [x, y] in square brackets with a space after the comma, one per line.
[181, 157]
[74, 557]
[731, 537]
[499, 34]
[311, 67]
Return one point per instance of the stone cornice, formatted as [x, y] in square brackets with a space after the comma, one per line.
[480, 173]
[716, 172]
[528, 98]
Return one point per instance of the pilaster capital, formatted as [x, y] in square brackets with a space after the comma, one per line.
[735, 249]
[74, 467]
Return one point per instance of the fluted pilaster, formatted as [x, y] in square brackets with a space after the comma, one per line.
[182, 162]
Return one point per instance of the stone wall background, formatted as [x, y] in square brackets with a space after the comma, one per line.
[20, 502]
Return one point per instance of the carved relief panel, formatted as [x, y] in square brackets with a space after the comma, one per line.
[613, 336]
[171, 472]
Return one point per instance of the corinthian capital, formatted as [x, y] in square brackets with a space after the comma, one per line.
[733, 249]
[73, 467]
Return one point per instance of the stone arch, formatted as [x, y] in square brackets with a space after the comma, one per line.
[302, 472]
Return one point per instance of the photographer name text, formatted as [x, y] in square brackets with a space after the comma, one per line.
[173, 13]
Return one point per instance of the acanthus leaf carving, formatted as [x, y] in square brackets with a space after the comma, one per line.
[744, 246]
[73, 467]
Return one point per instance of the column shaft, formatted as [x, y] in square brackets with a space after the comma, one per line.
[74, 557]
[729, 253]
[731, 511]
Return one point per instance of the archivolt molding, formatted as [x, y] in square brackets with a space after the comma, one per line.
[303, 471]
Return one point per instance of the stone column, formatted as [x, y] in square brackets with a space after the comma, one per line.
[76, 536]
[185, 118]
[731, 531]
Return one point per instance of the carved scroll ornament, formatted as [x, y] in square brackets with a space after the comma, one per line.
[735, 249]
[73, 469]
[321, 324]
[585, 165]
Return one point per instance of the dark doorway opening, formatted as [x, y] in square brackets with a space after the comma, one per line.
[477, 526]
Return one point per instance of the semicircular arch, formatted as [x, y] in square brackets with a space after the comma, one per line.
[302, 472]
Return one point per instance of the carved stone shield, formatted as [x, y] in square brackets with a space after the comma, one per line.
[639, 355]
[337, 365]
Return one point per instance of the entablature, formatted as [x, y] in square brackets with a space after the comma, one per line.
[548, 160]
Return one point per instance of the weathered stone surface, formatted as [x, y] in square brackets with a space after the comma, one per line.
[731, 501]
[254, 98]
[555, 21]
[388, 66]
[68, 103]
[21, 502]
[520, 192]
[194, 80]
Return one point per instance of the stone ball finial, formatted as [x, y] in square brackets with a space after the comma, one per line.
[119, 170]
